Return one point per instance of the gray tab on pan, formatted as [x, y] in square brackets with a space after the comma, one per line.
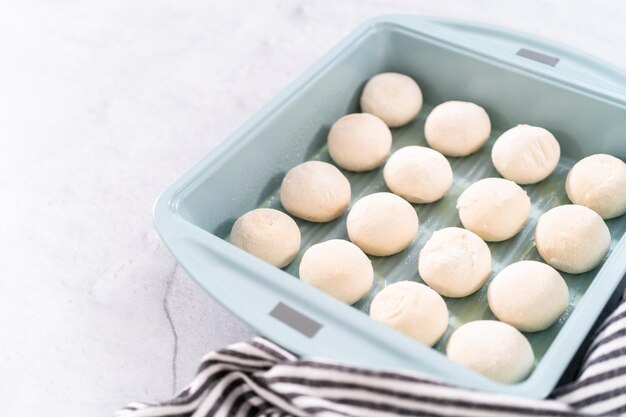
[538, 56]
[295, 319]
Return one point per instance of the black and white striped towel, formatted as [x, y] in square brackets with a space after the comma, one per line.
[259, 378]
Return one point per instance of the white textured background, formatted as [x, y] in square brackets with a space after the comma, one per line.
[105, 103]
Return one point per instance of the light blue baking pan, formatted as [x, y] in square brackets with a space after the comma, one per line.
[517, 78]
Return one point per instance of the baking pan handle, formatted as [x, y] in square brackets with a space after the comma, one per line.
[534, 53]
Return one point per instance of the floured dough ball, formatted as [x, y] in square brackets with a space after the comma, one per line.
[526, 154]
[457, 128]
[599, 182]
[395, 98]
[418, 174]
[412, 309]
[492, 348]
[315, 191]
[339, 268]
[382, 224]
[455, 262]
[268, 234]
[359, 142]
[494, 208]
[572, 238]
[528, 295]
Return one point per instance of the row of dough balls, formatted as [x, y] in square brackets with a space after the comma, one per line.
[361, 141]
[572, 238]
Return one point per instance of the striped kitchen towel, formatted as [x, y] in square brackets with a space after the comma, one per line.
[259, 378]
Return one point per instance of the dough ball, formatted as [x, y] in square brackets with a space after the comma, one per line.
[395, 98]
[382, 224]
[572, 238]
[339, 268]
[599, 182]
[455, 262]
[494, 208]
[268, 234]
[457, 128]
[315, 191]
[492, 348]
[526, 154]
[528, 295]
[413, 309]
[418, 174]
[359, 142]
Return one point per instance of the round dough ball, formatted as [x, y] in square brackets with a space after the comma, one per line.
[382, 224]
[599, 182]
[395, 98]
[412, 309]
[455, 262]
[339, 268]
[268, 234]
[457, 128]
[359, 142]
[418, 174]
[315, 191]
[492, 348]
[572, 238]
[528, 295]
[494, 208]
[526, 154]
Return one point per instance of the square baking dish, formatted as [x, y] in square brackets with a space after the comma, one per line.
[517, 78]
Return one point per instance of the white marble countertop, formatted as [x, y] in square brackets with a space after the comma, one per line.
[104, 104]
